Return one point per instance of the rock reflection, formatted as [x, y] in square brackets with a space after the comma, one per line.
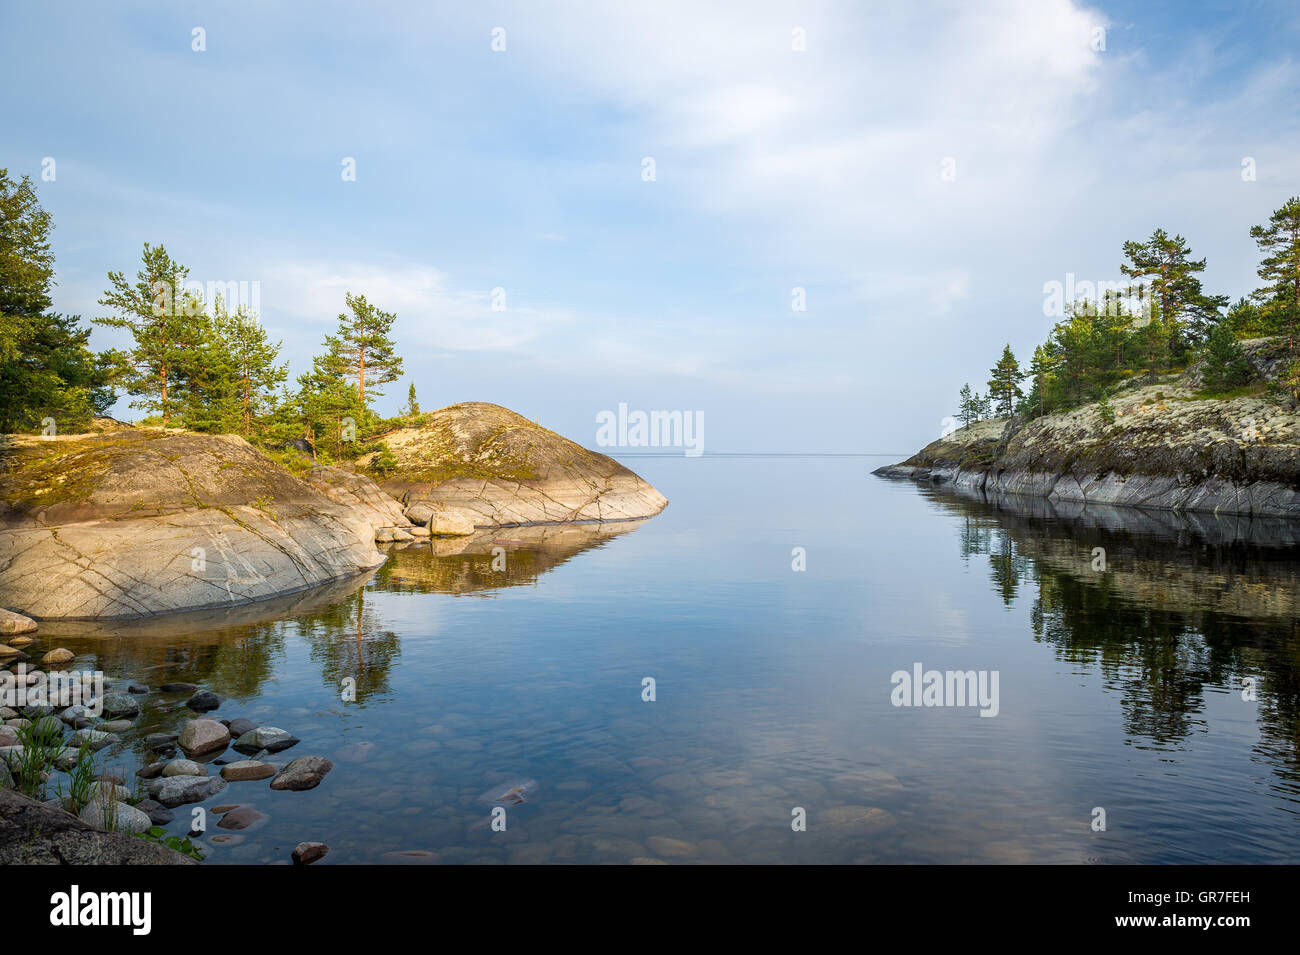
[1169, 607]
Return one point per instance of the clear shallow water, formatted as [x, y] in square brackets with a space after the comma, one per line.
[1118, 690]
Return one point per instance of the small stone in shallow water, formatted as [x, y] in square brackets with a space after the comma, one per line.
[93, 738]
[247, 769]
[160, 740]
[272, 739]
[178, 688]
[510, 793]
[241, 818]
[199, 737]
[355, 753]
[305, 772]
[305, 853]
[173, 791]
[184, 767]
[203, 701]
[227, 839]
[114, 726]
[152, 770]
[57, 656]
[117, 705]
[240, 726]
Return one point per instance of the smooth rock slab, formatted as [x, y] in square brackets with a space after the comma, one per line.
[173, 791]
[305, 772]
[199, 737]
[247, 769]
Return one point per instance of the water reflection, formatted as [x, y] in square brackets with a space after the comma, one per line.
[1169, 607]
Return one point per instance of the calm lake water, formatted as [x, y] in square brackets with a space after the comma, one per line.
[1119, 688]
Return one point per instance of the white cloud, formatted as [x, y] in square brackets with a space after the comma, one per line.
[433, 314]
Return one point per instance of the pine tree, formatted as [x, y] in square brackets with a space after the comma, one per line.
[326, 399]
[253, 364]
[1225, 362]
[1004, 385]
[47, 368]
[365, 347]
[1184, 308]
[967, 410]
[412, 403]
[1280, 268]
[167, 326]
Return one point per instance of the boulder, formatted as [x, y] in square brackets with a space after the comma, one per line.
[15, 623]
[173, 791]
[184, 767]
[305, 853]
[34, 834]
[305, 772]
[247, 769]
[272, 739]
[200, 737]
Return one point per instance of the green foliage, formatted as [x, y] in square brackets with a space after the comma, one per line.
[364, 348]
[1105, 410]
[384, 462]
[158, 835]
[36, 758]
[1279, 299]
[47, 369]
[1004, 383]
[82, 780]
[1186, 312]
[1225, 364]
[169, 331]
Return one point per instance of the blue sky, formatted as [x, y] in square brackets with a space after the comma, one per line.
[775, 169]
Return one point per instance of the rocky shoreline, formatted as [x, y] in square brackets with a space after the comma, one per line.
[136, 522]
[48, 743]
[1166, 448]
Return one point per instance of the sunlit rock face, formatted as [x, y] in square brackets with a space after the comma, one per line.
[138, 522]
[1166, 448]
[480, 465]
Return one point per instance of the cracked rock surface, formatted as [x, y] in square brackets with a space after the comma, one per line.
[138, 522]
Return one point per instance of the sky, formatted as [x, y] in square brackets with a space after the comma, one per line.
[920, 170]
